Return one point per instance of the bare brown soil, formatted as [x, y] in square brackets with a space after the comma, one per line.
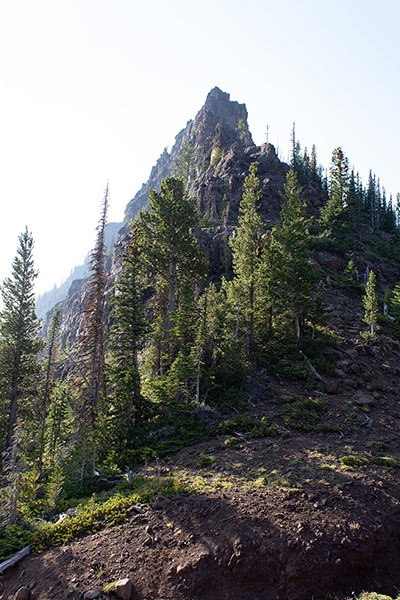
[274, 518]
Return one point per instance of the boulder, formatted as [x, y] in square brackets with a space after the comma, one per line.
[124, 589]
[363, 399]
[23, 593]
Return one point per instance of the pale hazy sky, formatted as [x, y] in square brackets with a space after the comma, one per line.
[93, 90]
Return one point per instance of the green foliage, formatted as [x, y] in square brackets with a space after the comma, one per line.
[95, 515]
[245, 248]
[12, 539]
[395, 303]
[303, 414]
[126, 408]
[59, 423]
[19, 340]
[243, 131]
[373, 596]
[169, 259]
[351, 461]
[370, 302]
[216, 156]
[388, 462]
[186, 161]
[286, 276]
[245, 424]
[338, 189]
[205, 460]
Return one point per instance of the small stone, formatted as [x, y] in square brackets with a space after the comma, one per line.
[124, 589]
[364, 399]
[23, 593]
[91, 595]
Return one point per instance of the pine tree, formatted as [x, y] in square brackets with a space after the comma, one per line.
[168, 255]
[19, 328]
[338, 188]
[370, 302]
[59, 424]
[127, 408]
[246, 247]
[288, 278]
[49, 377]
[92, 337]
[395, 302]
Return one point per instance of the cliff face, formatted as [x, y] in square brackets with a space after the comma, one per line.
[219, 124]
[212, 154]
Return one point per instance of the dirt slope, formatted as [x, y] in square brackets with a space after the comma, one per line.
[286, 517]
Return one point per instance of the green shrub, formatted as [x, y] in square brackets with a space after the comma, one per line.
[389, 462]
[13, 538]
[205, 460]
[303, 414]
[231, 442]
[96, 514]
[216, 156]
[351, 461]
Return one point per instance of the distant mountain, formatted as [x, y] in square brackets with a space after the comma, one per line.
[45, 302]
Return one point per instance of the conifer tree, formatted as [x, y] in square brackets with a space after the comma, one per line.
[370, 302]
[168, 254]
[245, 247]
[395, 302]
[19, 328]
[288, 277]
[126, 405]
[49, 377]
[338, 188]
[92, 338]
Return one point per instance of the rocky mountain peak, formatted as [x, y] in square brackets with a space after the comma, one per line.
[218, 125]
[224, 114]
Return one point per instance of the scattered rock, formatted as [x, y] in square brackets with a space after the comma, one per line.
[331, 387]
[364, 399]
[92, 594]
[124, 589]
[23, 593]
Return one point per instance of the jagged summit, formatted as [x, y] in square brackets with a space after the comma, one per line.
[218, 125]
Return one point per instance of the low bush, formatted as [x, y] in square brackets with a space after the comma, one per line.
[303, 414]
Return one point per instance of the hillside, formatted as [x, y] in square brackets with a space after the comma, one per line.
[216, 411]
[313, 512]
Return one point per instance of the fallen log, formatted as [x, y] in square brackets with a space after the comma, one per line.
[14, 559]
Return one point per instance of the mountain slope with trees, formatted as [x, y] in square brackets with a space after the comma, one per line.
[240, 350]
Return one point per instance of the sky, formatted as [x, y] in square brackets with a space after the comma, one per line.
[93, 90]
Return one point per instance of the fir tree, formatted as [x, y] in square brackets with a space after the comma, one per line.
[245, 247]
[19, 328]
[394, 303]
[168, 255]
[127, 408]
[92, 337]
[370, 302]
[49, 377]
[288, 276]
[338, 189]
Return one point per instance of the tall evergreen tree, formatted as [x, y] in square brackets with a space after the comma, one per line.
[338, 188]
[19, 328]
[288, 278]
[92, 338]
[126, 404]
[49, 377]
[370, 302]
[168, 254]
[246, 249]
